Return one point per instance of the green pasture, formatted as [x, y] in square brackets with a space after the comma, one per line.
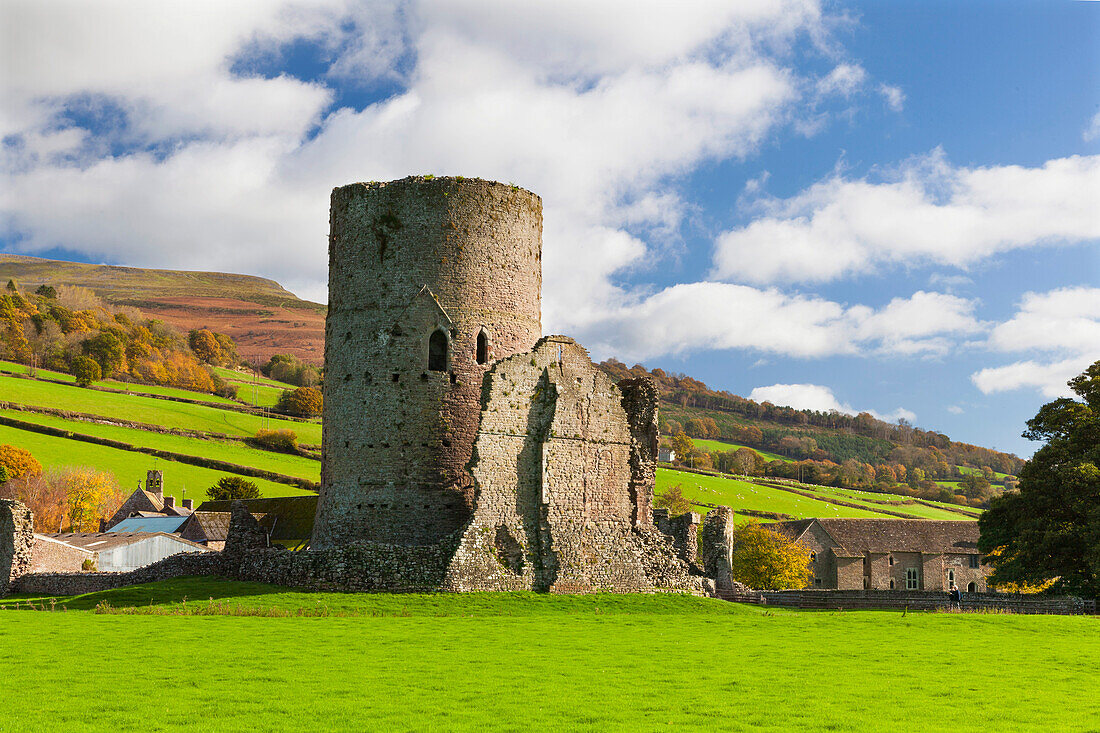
[219, 450]
[232, 375]
[128, 467]
[724, 447]
[896, 502]
[521, 662]
[147, 409]
[738, 494]
[113, 384]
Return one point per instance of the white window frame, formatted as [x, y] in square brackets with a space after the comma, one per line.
[912, 579]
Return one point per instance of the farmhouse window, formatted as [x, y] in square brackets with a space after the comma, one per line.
[912, 579]
[891, 585]
[891, 559]
[813, 556]
[817, 582]
[438, 348]
[951, 577]
[974, 561]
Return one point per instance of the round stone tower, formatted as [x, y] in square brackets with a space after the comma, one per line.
[430, 281]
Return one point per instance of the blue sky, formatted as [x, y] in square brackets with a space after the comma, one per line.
[891, 207]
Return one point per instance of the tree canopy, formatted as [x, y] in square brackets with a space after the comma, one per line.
[233, 487]
[766, 560]
[1048, 531]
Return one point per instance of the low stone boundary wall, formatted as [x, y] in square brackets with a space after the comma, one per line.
[927, 601]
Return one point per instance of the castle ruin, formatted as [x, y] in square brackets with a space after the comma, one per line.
[448, 420]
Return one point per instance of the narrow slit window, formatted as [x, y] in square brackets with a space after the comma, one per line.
[438, 348]
[482, 348]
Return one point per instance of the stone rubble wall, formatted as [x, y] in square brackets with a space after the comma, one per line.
[926, 601]
[16, 542]
[51, 556]
[715, 546]
[683, 531]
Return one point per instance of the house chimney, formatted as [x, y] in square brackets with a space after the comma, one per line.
[169, 502]
[154, 483]
[188, 503]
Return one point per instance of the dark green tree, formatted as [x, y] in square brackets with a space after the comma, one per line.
[233, 487]
[86, 370]
[1049, 530]
[108, 351]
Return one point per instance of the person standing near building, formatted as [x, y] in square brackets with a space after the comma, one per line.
[956, 597]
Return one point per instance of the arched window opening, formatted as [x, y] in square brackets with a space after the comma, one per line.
[971, 587]
[438, 348]
[482, 348]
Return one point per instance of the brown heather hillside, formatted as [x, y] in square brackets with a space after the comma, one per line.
[259, 314]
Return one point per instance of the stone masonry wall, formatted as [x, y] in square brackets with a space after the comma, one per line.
[16, 542]
[409, 258]
[715, 546]
[560, 505]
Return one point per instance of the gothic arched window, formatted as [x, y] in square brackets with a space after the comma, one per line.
[438, 351]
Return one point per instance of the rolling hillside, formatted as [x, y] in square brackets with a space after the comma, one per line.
[259, 314]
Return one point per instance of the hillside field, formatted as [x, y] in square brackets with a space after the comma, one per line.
[535, 662]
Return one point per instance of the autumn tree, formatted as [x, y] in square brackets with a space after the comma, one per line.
[674, 500]
[303, 402]
[19, 462]
[108, 351]
[683, 447]
[90, 495]
[1049, 530]
[233, 487]
[766, 560]
[86, 370]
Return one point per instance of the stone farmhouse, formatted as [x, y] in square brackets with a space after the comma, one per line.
[890, 554]
[149, 502]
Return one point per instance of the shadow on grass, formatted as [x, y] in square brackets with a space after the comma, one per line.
[229, 597]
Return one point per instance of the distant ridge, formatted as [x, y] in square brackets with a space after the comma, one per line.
[262, 317]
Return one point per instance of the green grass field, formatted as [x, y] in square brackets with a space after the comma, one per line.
[739, 494]
[147, 409]
[221, 450]
[112, 384]
[721, 445]
[128, 467]
[520, 662]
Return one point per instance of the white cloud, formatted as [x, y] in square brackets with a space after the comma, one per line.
[844, 79]
[933, 213]
[1048, 378]
[594, 106]
[893, 95]
[955, 410]
[703, 316]
[819, 398]
[1063, 324]
[1092, 132]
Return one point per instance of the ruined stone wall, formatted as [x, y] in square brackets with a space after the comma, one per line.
[408, 258]
[682, 531]
[16, 541]
[716, 546]
[560, 505]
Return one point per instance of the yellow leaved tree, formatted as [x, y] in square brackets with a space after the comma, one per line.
[767, 560]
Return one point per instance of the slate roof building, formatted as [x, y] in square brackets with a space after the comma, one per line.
[149, 522]
[890, 554]
[149, 502]
[288, 520]
[107, 552]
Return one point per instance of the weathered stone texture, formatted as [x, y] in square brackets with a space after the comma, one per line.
[16, 541]
[716, 547]
[564, 480]
[51, 556]
[683, 531]
[407, 259]
[245, 533]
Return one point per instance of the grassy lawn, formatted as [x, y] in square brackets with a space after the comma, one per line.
[232, 375]
[524, 662]
[724, 447]
[146, 409]
[220, 450]
[7, 366]
[869, 499]
[128, 467]
[739, 494]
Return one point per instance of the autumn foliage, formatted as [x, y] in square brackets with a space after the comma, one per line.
[67, 499]
[766, 560]
[303, 402]
[19, 462]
